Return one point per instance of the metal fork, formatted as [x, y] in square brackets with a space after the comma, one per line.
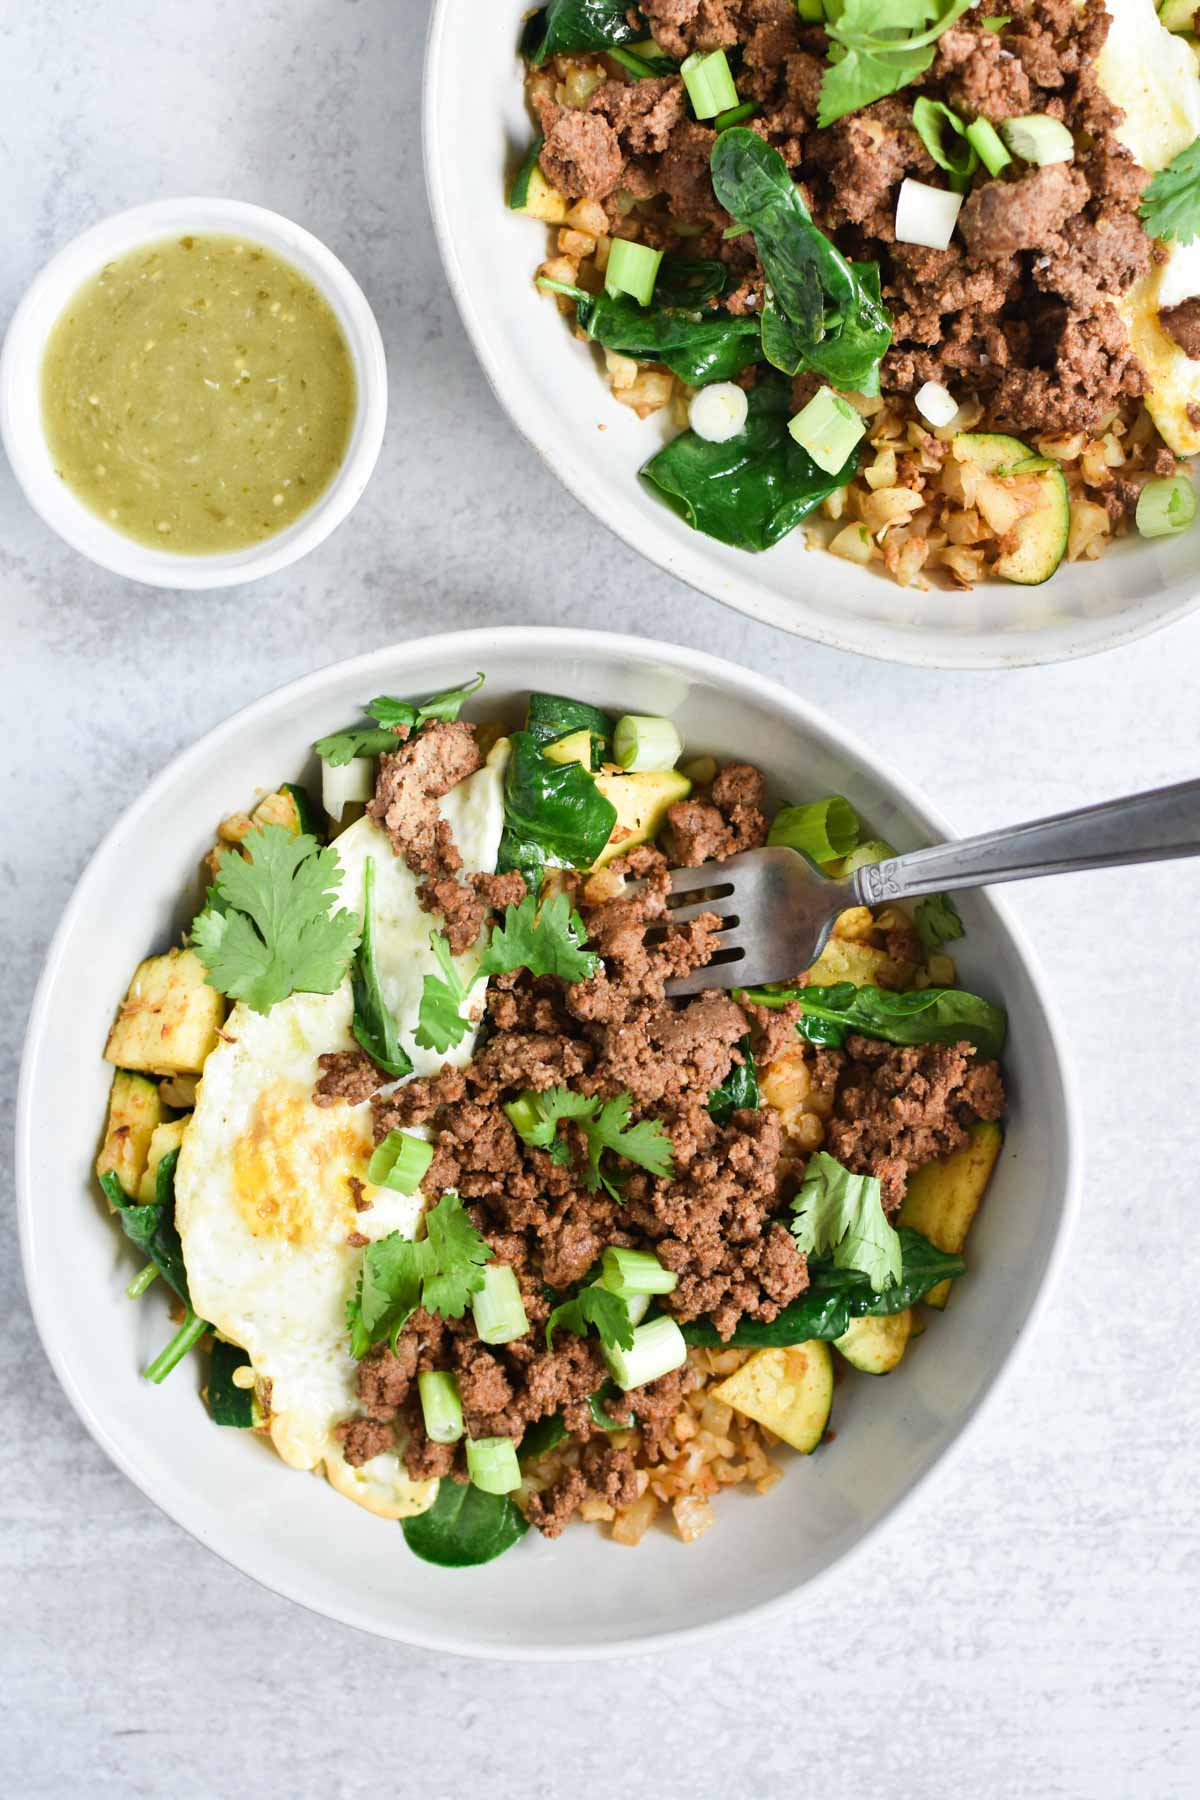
[777, 910]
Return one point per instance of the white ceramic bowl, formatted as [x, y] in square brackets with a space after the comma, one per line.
[580, 1596]
[476, 128]
[21, 407]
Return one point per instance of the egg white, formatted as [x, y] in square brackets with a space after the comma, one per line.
[263, 1199]
[1151, 73]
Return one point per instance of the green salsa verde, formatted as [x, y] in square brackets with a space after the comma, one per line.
[198, 394]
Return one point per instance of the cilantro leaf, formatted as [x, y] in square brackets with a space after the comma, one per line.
[440, 1024]
[279, 934]
[645, 1143]
[374, 1025]
[439, 1272]
[593, 1306]
[860, 77]
[1170, 206]
[459, 1254]
[341, 747]
[937, 921]
[548, 942]
[842, 1214]
[606, 1127]
[535, 1116]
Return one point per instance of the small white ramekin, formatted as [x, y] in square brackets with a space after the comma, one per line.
[21, 405]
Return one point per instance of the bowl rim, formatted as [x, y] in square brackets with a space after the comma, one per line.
[24, 439]
[673, 550]
[534, 643]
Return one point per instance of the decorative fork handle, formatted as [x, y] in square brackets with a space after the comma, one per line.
[1152, 827]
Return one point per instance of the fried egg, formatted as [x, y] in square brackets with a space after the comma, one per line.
[266, 1181]
[1151, 74]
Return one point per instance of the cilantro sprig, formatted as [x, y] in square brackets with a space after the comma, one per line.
[269, 929]
[605, 1126]
[389, 714]
[1170, 206]
[937, 921]
[877, 50]
[841, 1215]
[593, 1306]
[548, 941]
[440, 1272]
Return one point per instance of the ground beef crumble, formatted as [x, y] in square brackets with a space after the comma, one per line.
[1020, 310]
[718, 1220]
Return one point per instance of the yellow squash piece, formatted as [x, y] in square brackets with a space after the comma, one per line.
[943, 1197]
[845, 959]
[134, 1112]
[876, 1344]
[790, 1391]
[169, 1019]
[641, 800]
[166, 1137]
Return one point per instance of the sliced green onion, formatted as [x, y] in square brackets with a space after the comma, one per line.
[492, 1465]
[497, 1308]
[1166, 507]
[637, 1306]
[441, 1406]
[825, 830]
[524, 1115]
[1037, 138]
[828, 428]
[989, 145]
[874, 852]
[709, 83]
[814, 11]
[944, 136]
[141, 1282]
[631, 269]
[658, 1347]
[642, 741]
[629, 1272]
[736, 115]
[1177, 15]
[189, 1333]
[997, 22]
[400, 1162]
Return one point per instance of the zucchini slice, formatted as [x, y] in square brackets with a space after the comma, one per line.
[1039, 537]
[789, 1391]
[875, 1345]
[168, 1020]
[642, 801]
[943, 1197]
[135, 1112]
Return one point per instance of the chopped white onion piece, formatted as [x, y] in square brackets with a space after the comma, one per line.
[936, 403]
[926, 215]
[352, 783]
[718, 412]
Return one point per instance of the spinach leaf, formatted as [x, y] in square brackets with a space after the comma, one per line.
[554, 814]
[739, 1090]
[836, 1296]
[689, 280]
[151, 1225]
[464, 1527]
[824, 313]
[553, 716]
[229, 1404]
[698, 348]
[565, 26]
[545, 1434]
[373, 1024]
[753, 489]
[925, 1016]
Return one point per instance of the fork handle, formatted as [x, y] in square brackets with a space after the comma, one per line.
[1151, 827]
